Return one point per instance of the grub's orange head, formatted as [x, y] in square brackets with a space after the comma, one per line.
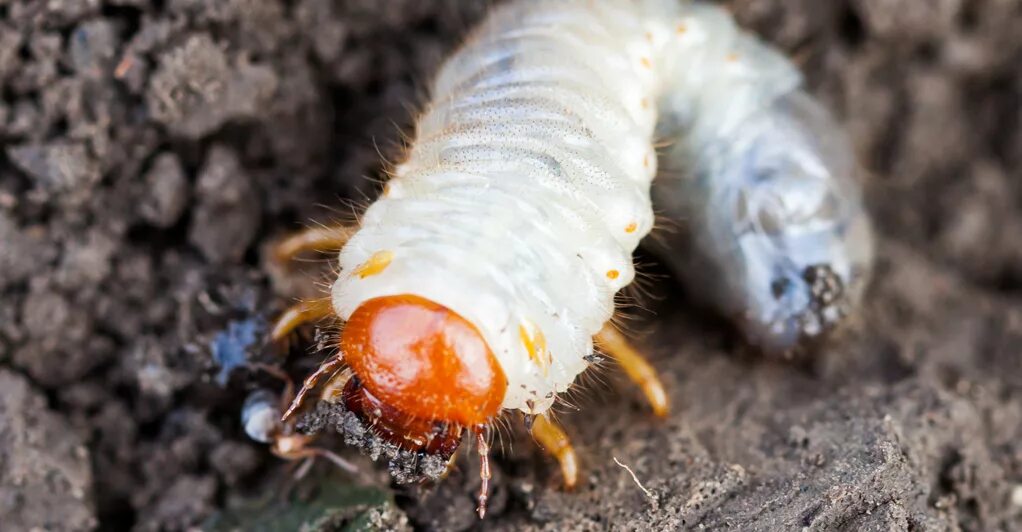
[422, 372]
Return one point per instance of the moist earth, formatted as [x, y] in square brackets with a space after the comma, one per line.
[153, 149]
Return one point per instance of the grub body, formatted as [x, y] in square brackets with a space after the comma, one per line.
[526, 187]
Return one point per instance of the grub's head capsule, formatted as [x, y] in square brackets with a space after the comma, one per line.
[422, 373]
[802, 244]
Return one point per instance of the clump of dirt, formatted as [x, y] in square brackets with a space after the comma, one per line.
[405, 467]
[45, 479]
[151, 149]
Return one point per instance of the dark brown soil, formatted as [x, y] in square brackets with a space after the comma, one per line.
[152, 148]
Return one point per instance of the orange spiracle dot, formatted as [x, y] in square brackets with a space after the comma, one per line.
[375, 265]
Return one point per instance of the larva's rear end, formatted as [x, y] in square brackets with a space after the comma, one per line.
[762, 181]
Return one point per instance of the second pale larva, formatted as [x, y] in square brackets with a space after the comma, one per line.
[476, 284]
[762, 181]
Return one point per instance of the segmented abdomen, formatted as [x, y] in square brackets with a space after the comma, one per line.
[526, 188]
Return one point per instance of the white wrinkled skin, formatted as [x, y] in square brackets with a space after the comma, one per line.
[762, 181]
[527, 185]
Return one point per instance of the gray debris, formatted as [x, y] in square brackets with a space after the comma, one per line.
[406, 467]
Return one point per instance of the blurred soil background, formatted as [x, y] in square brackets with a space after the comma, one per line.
[151, 149]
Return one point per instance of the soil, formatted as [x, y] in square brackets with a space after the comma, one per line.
[152, 149]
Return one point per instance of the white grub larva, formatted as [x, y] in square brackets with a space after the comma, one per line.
[762, 181]
[477, 282]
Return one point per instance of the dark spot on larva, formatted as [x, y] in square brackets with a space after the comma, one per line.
[825, 285]
[779, 286]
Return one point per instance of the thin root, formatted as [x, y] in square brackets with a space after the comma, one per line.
[648, 493]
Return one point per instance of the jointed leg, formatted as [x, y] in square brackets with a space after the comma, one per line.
[312, 239]
[304, 468]
[327, 369]
[294, 447]
[553, 439]
[636, 367]
[313, 452]
[300, 313]
[297, 448]
[288, 445]
[289, 385]
[483, 449]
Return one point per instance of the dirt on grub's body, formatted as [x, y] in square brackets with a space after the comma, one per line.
[151, 150]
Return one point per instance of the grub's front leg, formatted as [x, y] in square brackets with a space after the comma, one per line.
[552, 438]
[638, 369]
[299, 314]
[319, 239]
[326, 370]
[313, 239]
